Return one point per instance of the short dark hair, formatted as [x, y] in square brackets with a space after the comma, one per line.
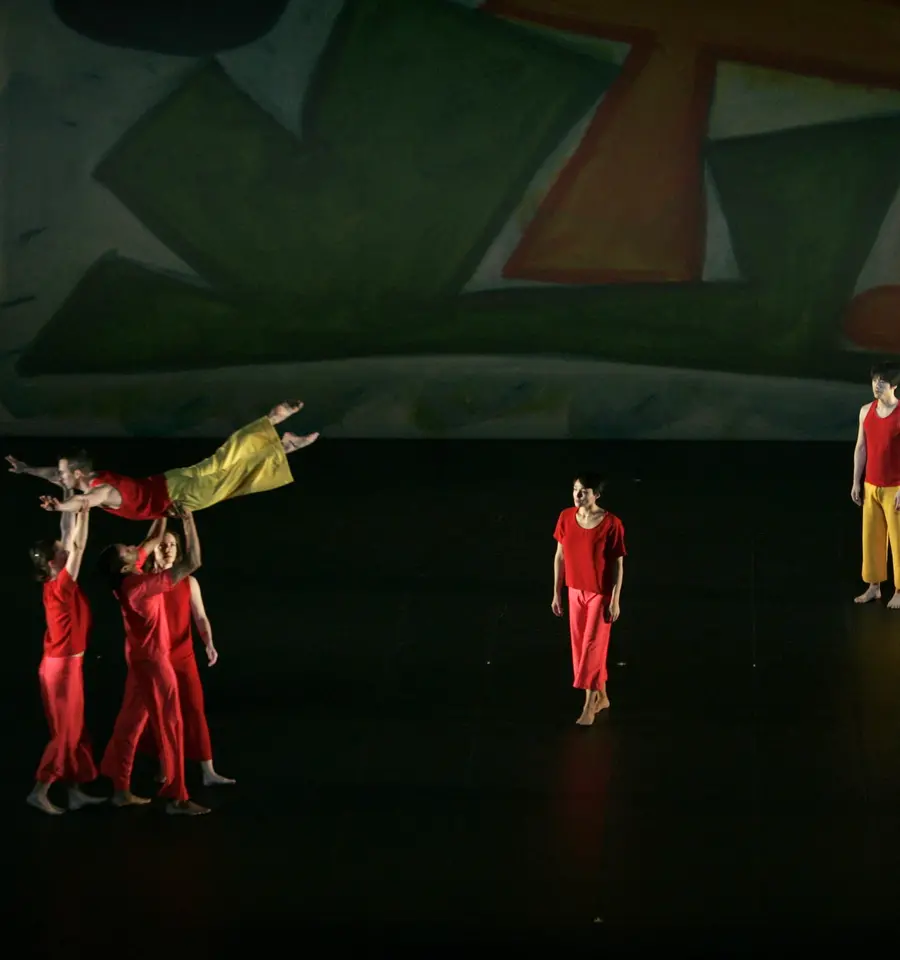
[79, 461]
[41, 553]
[591, 480]
[887, 371]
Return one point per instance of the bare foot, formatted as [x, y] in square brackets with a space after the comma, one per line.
[186, 808]
[125, 798]
[213, 779]
[282, 411]
[40, 801]
[79, 799]
[597, 702]
[894, 602]
[872, 593]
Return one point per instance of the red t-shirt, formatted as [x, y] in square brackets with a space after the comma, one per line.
[142, 599]
[146, 499]
[178, 613]
[882, 447]
[68, 617]
[590, 555]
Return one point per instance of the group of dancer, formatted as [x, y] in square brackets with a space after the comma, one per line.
[159, 596]
[162, 708]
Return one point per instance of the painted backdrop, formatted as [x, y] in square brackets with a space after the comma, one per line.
[547, 218]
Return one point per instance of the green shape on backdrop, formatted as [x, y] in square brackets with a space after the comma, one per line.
[804, 207]
[426, 123]
[175, 326]
[450, 404]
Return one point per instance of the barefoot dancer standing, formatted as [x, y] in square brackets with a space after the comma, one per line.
[68, 754]
[590, 559]
[877, 458]
[151, 689]
[183, 604]
[252, 460]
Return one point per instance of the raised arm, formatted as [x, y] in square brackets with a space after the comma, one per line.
[190, 562]
[100, 496]
[859, 457]
[50, 474]
[154, 536]
[204, 628]
[76, 542]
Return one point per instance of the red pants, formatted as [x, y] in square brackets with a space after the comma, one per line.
[589, 626]
[151, 694]
[68, 754]
[197, 745]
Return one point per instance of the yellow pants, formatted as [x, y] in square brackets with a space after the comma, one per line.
[251, 460]
[880, 526]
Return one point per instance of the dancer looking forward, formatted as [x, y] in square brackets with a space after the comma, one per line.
[876, 483]
[590, 560]
[184, 604]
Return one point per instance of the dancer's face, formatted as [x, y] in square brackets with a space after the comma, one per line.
[583, 496]
[882, 390]
[166, 553]
[68, 476]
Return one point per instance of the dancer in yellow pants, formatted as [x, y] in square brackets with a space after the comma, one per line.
[876, 483]
[252, 460]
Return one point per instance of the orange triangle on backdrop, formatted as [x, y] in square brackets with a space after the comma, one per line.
[629, 205]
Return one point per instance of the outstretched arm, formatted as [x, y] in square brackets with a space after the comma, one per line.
[50, 474]
[190, 562]
[101, 496]
[204, 627]
[75, 543]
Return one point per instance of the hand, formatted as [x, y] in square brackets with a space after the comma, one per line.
[856, 494]
[556, 606]
[49, 503]
[212, 655]
[16, 466]
[897, 500]
[614, 611]
[176, 510]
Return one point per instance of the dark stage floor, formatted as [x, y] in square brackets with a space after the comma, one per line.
[394, 698]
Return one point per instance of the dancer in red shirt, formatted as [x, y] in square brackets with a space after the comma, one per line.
[251, 460]
[876, 483]
[151, 690]
[67, 756]
[183, 604]
[590, 559]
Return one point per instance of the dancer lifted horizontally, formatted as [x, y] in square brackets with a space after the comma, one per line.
[183, 604]
[68, 754]
[590, 559]
[251, 460]
[876, 483]
[151, 689]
